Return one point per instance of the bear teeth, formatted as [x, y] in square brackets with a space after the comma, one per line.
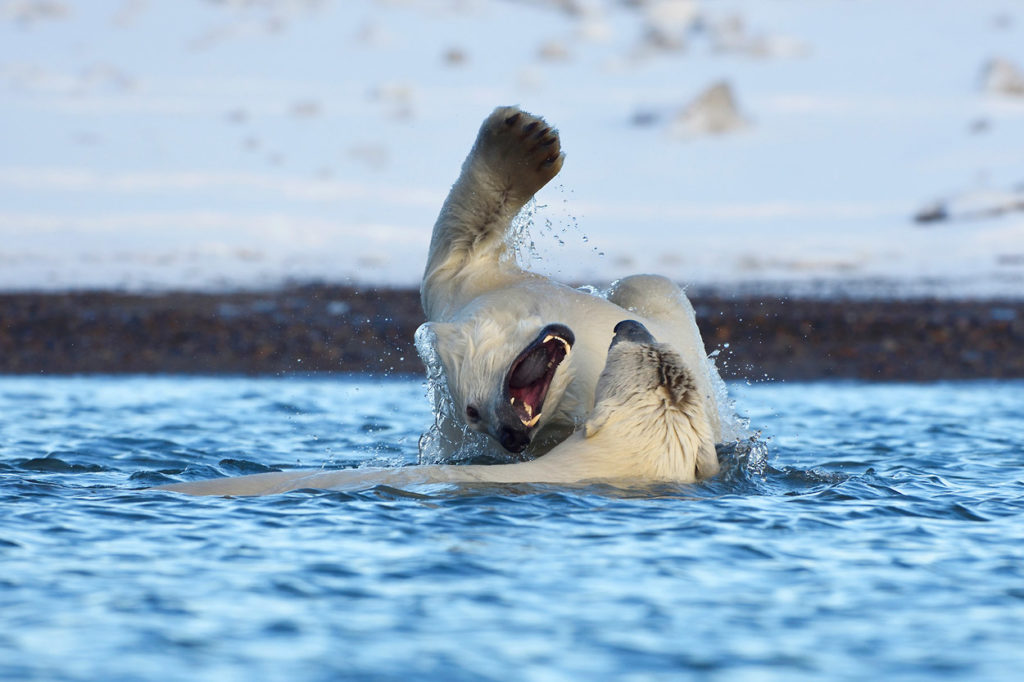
[532, 419]
[552, 337]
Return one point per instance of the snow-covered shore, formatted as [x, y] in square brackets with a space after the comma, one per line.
[244, 144]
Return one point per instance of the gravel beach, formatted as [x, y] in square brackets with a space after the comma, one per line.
[320, 328]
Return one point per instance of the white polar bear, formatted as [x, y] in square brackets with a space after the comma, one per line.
[648, 425]
[522, 353]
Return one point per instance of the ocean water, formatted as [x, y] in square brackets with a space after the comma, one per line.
[874, 531]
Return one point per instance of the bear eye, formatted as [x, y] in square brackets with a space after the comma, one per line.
[472, 413]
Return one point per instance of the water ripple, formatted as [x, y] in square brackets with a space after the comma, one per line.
[858, 502]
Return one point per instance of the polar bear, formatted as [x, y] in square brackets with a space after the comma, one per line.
[648, 425]
[513, 368]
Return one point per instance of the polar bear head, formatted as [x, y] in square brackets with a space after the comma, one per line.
[501, 374]
[648, 408]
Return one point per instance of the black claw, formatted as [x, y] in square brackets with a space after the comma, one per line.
[511, 120]
[550, 161]
[548, 142]
[543, 133]
[530, 127]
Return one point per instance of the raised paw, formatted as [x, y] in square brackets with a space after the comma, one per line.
[519, 149]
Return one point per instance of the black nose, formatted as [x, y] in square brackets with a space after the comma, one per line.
[513, 440]
[631, 330]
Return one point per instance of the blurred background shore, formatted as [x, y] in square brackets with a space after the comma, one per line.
[320, 328]
[233, 144]
[840, 184]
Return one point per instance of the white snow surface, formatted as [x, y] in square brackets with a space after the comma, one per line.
[245, 144]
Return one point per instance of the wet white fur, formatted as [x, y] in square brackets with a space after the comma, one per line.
[483, 309]
[648, 426]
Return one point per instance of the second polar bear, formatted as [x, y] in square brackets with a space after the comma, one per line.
[648, 425]
[522, 353]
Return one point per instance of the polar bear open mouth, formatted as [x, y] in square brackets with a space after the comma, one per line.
[529, 377]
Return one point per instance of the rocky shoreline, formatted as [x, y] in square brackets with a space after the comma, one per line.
[322, 328]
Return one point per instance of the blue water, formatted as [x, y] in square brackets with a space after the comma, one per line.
[881, 537]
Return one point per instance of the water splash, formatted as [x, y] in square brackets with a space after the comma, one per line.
[734, 426]
[448, 439]
[521, 245]
[752, 453]
[525, 232]
[430, 445]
